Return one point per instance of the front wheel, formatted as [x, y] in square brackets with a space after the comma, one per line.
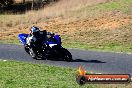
[32, 53]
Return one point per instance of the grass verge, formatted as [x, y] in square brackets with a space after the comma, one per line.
[15, 74]
[9, 42]
[110, 47]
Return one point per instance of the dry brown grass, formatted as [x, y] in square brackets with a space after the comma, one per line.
[20, 1]
[64, 6]
[11, 25]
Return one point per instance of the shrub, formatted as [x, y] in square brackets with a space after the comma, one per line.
[5, 3]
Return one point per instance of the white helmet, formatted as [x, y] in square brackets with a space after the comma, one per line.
[34, 29]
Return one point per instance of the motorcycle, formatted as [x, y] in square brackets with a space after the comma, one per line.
[51, 49]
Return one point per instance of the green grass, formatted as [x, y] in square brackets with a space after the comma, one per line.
[111, 5]
[124, 6]
[14, 74]
[108, 47]
[9, 42]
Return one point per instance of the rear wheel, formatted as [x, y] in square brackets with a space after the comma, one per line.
[66, 55]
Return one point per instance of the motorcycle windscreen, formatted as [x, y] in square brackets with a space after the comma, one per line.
[22, 38]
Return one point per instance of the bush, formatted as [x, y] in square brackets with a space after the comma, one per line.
[5, 3]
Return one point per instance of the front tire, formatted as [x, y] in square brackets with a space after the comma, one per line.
[32, 53]
[27, 50]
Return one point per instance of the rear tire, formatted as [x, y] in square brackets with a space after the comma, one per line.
[66, 55]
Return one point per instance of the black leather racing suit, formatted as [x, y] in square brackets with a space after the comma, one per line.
[36, 40]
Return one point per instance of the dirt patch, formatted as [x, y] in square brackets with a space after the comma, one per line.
[71, 26]
[107, 21]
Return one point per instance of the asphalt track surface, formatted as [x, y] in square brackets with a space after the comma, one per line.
[96, 62]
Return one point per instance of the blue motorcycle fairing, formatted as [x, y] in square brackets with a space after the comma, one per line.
[23, 37]
[57, 37]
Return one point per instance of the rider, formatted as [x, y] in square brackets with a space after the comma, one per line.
[36, 37]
